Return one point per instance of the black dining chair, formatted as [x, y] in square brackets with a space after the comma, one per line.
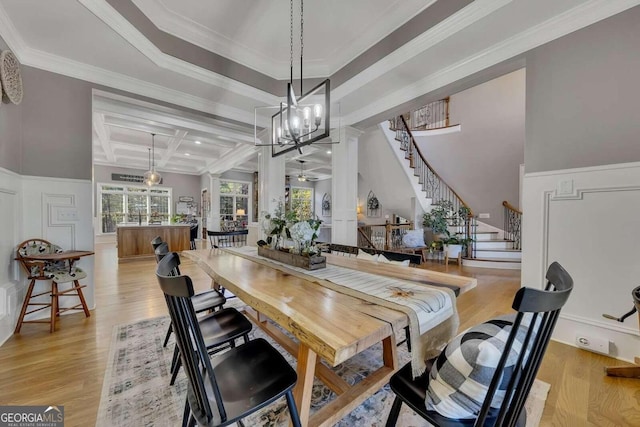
[193, 235]
[207, 301]
[232, 385]
[156, 242]
[220, 329]
[513, 373]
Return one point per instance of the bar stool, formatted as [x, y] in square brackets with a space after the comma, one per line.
[55, 272]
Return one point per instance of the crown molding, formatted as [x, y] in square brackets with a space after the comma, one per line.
[106, 13]
[556, 27]
[79, 70]
[178, 25]
[193, 32]
[460, 20]
[59, 65]
[11, 35]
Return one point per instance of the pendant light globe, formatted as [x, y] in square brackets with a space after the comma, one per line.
[151, 177]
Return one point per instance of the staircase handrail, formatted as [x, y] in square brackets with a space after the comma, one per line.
[511, 207]
[365, 237]
[512, 224]
[417, 149]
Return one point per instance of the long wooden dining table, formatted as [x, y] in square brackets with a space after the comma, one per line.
[326, 324]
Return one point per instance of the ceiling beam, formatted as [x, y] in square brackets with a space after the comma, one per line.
[230, 160]
[172, 147]
[122, 110]
[104, 136]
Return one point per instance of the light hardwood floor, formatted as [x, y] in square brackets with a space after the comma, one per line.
[67, 367]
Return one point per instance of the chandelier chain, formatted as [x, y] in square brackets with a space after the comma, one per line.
[301, 41]
[291, 40]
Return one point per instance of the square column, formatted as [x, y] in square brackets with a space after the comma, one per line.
[271, 172]
[344, 188]
[213, 221]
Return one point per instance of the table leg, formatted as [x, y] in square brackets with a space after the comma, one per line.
[302, 392]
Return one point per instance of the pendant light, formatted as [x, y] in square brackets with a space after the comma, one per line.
[151, 177]
[303, 119]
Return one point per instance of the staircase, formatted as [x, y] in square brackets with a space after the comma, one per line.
[491, 251]
[490, 247]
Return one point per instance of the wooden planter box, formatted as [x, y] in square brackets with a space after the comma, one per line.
[308, 263]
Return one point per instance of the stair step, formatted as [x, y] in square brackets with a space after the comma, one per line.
[495, 259]
[512, 254]
[484, 236]
[500, 263]
[494, 244]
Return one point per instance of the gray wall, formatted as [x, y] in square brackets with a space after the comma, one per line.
[49, 133]
[481, 163]
[10, 137]
[582, 97]
[10, 133]
[56, 125]
[379, 171]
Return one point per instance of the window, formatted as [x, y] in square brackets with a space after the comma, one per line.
[121, 204]
[302, 202]
[234, 204]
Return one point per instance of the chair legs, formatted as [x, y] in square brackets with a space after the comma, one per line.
[25, 304]
[54, 294]
[166, 337]
[55, 311]
[395, 412]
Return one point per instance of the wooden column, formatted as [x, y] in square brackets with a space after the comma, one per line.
[344, 188]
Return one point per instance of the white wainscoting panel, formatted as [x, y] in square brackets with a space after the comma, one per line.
[60, 211]
[10, 214]
[588, 220]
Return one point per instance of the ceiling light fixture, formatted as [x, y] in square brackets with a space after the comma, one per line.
[302, 177]
[301, 120]
[151, 177]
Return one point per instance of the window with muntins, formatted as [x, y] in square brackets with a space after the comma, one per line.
[130, 204]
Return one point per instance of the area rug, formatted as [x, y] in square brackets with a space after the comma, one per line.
[136, 390]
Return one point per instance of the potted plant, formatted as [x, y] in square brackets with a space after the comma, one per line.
[440, 218]
[437, 220]
[453, 245]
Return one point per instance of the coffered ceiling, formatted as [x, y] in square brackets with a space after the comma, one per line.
[209, 64]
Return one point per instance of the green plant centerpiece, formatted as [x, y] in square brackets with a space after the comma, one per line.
[283, 226]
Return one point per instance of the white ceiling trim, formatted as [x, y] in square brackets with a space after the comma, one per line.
[153, 115]
[172, 147]
[65, 66]
[460, 20]
[558, 26]
[178, 25]
[124, 28]
[230, 160]
[133, 166]
[103, 136]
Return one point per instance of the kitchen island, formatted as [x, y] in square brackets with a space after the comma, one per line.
[134, 241]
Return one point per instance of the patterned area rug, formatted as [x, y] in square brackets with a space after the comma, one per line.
[136, 389]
